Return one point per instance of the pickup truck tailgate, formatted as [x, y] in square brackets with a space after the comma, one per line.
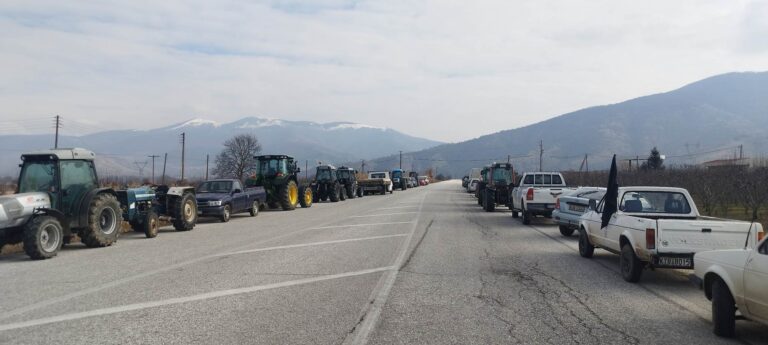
[546, 195]
[692, 236]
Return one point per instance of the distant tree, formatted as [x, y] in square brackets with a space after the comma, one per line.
[236, 159]
[654, 161]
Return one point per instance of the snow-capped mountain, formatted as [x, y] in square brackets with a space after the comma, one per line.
[334, 142]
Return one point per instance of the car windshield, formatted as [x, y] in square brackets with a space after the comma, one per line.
[215, 187]
[38, 177]
[655, 202]
[323, 174]
[271, 167]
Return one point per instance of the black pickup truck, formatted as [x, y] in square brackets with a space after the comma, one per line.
[225, 197]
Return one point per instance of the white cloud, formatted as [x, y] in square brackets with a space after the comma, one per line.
[447, 70]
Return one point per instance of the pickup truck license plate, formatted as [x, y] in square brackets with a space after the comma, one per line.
[675, 262]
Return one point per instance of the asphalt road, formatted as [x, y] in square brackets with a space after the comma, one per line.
[422, 266]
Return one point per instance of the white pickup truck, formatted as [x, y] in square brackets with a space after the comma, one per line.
[535, 194]
[658, 227]
[735, 280]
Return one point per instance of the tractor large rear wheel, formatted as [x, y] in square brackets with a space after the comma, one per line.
[306, 197]
[350, 190]
[333, 190]
[289, 196]
[104, 220]
[43, 237]
[184, 212]
[342, 193]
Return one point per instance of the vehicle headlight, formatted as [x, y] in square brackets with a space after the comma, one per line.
[214, 203]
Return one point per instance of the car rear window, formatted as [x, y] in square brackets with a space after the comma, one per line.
[528, 179]
[556, 179]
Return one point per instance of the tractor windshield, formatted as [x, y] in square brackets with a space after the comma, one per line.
[38, 177]
[343, 173]
[272, 167]
[397, 174]
[323, 174]
[502, 175]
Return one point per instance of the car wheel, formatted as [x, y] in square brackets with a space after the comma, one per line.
[226, 214]
[566, 231]
[631, 266]
[586, 249]
[723, 310]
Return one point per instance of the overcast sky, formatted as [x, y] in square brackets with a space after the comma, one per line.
[445, 70]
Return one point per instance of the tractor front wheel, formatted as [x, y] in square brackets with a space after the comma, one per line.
[151, 224]
[104, 219]
[43, 237]
[306, 197]
[334, 193]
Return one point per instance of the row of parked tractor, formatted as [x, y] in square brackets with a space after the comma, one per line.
[649, 227]
[59, 197]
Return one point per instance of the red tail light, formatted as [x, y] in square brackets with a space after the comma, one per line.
[650, 238]
[529, 195]
[279, 175]
[557, 203]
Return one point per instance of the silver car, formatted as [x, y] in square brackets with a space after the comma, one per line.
[570, 206]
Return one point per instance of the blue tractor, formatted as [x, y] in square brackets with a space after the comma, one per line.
[146, 206]
[399, 180]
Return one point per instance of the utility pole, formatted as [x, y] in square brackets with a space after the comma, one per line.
[541, 154]
[401, 160]
[306, 170]
[153, 166]
[363, 167]
[741, 152]
[207, 158]
[165, 161]
[509, 159]
[586, 160]
[56, 140]
[183, 147]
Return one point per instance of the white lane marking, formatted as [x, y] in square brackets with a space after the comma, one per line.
[358, 225]
[114, 283]
[179, 300]
[291, 246]
[374, 313]
[399, 207]
[383, 214]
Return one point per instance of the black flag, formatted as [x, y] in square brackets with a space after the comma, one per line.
[610, 205]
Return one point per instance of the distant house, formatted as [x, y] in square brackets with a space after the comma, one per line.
[728, 163]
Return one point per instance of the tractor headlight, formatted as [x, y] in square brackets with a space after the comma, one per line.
[214, 203]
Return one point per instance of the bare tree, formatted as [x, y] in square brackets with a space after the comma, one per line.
[236, 159]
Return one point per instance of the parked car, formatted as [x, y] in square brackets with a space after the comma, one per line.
[412, 183]
[225, 197]
[570, 206]
[658, 227]
[472, 186]
[465, 181]
[535, 194]
[377, 182]
[423, 180]
[735, 280]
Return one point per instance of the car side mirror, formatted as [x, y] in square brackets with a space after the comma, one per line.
[237, 190]
[593, 204]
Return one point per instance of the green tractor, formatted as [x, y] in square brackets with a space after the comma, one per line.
[497, 187]
[348, 179]
[278, 175]
[326, 185]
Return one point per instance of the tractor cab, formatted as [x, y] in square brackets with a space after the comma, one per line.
[66, 175]
[326, 174]
[345, 173]
[500, 174]
[278, 175]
